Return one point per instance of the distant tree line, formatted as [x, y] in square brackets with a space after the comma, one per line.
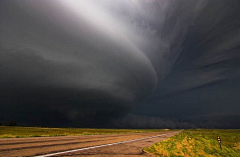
[10, 123]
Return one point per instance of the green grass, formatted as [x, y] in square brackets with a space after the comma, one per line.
[199, 143]
[19, 132]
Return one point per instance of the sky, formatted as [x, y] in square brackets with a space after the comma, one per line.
[121, 63]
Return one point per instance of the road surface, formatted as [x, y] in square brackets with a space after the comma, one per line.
[89, 145]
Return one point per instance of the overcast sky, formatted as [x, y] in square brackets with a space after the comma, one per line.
[121, 63]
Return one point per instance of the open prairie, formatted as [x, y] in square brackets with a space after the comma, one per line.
[20, 132]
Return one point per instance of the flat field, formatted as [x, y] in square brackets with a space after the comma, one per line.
[19, 132]
[199, 143]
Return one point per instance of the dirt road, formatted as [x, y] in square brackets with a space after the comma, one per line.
[46, 145]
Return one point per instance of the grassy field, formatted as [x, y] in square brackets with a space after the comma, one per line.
[18, 132]
[199, 143]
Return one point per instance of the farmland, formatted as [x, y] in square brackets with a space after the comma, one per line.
[199, 143]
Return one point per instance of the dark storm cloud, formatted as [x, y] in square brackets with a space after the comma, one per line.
[202, 86]
[136, 121]
[90, 63]
[46, 54]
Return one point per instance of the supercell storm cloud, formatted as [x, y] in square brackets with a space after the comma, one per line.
[121, 63]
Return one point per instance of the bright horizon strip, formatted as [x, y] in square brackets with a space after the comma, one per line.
[99, 146]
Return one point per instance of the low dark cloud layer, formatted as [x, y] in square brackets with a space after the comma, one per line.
[126, 63]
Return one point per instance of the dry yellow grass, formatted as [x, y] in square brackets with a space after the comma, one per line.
[199, 143]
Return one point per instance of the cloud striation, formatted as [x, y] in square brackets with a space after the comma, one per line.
[123, 63]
